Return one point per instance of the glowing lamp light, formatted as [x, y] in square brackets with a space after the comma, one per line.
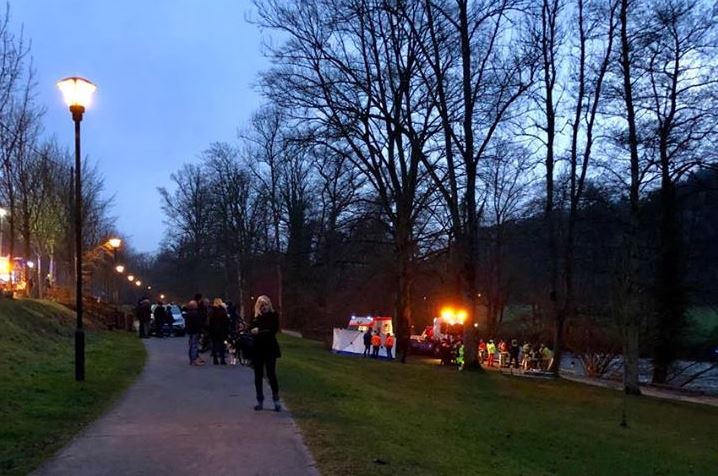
[138, 283]
[149, 288]
[162, 296]
[30, 264]
[461, 316]
[119, 268]
[130, 278]
[76, 91]
[114, 243]
[447, 313]
[3, 213]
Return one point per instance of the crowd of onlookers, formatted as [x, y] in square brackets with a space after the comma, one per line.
[510, 354]
[216, 325]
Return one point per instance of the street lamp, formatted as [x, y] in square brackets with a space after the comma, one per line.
[138, 283]
[130, 278]
[120, 269]
[162, 296]
[77, 93]
[115, 244]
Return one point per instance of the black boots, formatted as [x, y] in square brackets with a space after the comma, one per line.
[277, 406]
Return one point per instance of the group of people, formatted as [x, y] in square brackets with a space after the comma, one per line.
[373, 342]
[511, 354]
[215, 322]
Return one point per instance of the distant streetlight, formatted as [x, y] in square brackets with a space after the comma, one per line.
[130, 278]
[162, 296]
[77, 93]
[149, 288]
[138, 283]
[30, 264]
[114, 243]
[120, 269]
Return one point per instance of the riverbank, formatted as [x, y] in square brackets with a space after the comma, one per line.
[41, 405]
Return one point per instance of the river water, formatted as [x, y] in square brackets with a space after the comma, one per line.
[706, 383]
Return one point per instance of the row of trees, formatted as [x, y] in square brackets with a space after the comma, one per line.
[36, 178]
[469, 143]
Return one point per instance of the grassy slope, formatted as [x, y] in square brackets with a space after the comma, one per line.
[424, 419]
[41, 406]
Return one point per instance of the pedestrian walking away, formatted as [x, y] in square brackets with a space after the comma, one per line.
[160, 315]
[367, 342]
[388, 345]
[218, 331]
[193, 327]
[143, 316]
[264, 328]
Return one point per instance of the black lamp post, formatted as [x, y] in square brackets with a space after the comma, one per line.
[77, 93]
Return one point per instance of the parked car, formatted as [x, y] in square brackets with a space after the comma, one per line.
[176, 327]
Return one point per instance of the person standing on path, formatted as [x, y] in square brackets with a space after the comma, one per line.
[193, 327]
[143, 316]
[160, 315]
[367, 343]
[388, 345]
[375, 343]
[264, 328]
[218, 330]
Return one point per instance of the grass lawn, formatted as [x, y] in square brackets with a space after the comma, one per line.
[41, 405]
[425, 419]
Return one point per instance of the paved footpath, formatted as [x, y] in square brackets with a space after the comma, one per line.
[177, 419]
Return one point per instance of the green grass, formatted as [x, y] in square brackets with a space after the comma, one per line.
[41, 406]
[425, 419]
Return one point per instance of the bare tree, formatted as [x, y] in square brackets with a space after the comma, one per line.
[678, 95]
[350, 70]
[475, 80]
[188, 211]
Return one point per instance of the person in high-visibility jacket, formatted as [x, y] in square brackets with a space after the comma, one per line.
[491, 353]
[375, 344]
[460, 356]
[388, 345]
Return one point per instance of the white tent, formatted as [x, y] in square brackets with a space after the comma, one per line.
[349, 341]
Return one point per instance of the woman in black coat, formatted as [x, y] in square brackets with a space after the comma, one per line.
[264, 328]
[218, 330]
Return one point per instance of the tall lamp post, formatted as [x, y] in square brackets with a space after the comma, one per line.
[115, 244]
[77, 93]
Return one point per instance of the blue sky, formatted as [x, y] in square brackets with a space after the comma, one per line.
[172, 76]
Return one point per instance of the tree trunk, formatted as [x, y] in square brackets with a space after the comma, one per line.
[630, 357]
[631, 317]
[670, 295]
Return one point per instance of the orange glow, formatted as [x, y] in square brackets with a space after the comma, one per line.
[453, 316]
[447, 313]
[4, 265]
[461, 316]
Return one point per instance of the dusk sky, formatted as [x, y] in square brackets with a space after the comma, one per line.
[172, 76]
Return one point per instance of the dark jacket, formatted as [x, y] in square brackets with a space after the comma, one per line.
[218, 323]
[367, 338]
[265, 342]
[144, 313]
[160, 315]
[192, 322]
